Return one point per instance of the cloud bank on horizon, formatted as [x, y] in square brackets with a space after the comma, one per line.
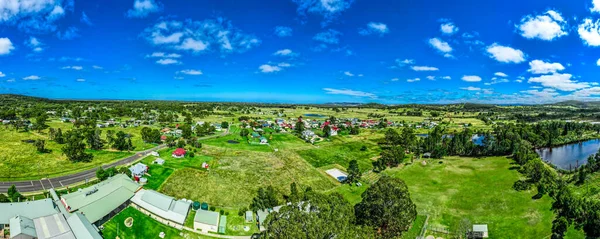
[302, 51]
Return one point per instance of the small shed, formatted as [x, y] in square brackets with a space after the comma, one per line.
[159, 161]
[263, 140]
[206, 221]
[427, 155]
[222, 224]
[249, 216]
[480, 231]
[154, 153]
[255, 135]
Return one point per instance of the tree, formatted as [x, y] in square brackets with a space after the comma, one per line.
[294, 196]
[559, 228]
[244, 133]
[386, 207]
[299, 127]
[120, 142]
[14, 194]
[392, 137]
[186, 131]
[265, 199]
[101, 174]
[93, 139]
[4, 198]
[392, 157]
[326, 131]
[354, 173]
[225, 125]
[40, 122]
[321, 216]
[74, 147]
[40, 145]
[58, 137]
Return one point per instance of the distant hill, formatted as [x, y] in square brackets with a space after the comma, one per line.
[578, 104]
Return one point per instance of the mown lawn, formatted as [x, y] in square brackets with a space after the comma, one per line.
[341, 150]
[21, 161]
[479, 190]
[235, 176]
[143, 227]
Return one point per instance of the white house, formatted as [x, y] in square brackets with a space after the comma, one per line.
[138, 170]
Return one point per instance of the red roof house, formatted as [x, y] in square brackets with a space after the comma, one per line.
[178, 153]
[163, 137]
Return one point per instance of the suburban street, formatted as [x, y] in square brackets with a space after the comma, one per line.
[63, 181]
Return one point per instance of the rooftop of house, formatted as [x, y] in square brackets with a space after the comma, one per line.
[21, 225]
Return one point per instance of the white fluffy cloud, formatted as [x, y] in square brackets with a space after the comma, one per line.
[447, 78]
[77, 68]
[34, 16]
[500, 74]
[471, 78]
[163, 55]
[547, 27]
[2, 74]
[330, 36]
[505, 54]
[471, 88]
[285, 52]
[589, 32]
[266, 68]
[431, 77]
[598, 62]
[80, 80]
[190, 72]
[441, 46]
[413, 80]
[376, 28]
[35, 44]
[347, 73]
[424, 68]
[595, 6]
[200, 36]
[6, 46]
[32, 77]
[559, 81]
[143, 8]
[541, 67]
[448, 28]
[282, 31]
[349, 92]
[329, 9]
[167, 61]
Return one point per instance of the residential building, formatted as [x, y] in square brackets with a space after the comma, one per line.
[206, 221]
[163, 208]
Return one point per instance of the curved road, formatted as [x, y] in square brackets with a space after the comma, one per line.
[63, 181]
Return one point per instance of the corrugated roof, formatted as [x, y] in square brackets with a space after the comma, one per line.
[159, 200]
[207, 217]
[82, 228]
[31, 209]
[222, 224]
[20, 225]
[162, 205]
[53, 227]
[98, 200]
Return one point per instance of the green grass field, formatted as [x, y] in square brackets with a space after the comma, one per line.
[143, 227]
[235, 176]
[479, 190]
[21, 161]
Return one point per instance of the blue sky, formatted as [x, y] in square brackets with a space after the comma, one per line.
[302, 51]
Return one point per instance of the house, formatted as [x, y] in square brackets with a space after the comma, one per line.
[5, 121]
[333, 131]
[159, 161]
[22, 228]
[102, 200]
[163, 137]
[138, 170]
[206, 221]
[479, 231]
[205, 165]
[255, 135]
[178, 153]
[263, 140]
[162, 207]
[307, 134]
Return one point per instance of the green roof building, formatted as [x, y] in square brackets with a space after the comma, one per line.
[31, 209]
[22, 228]
[97, 201]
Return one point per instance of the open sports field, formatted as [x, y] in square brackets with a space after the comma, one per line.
[477, 189]
[235, 176]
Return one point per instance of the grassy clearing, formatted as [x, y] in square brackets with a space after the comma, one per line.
[416, 228]
[479, 190]
[341, 150]
[21, 161]
[143, 227]
[235, 176]
[158, 175]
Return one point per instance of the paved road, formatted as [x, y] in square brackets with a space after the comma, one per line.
[62, 181]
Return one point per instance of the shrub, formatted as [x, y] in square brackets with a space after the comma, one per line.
[213, 208]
